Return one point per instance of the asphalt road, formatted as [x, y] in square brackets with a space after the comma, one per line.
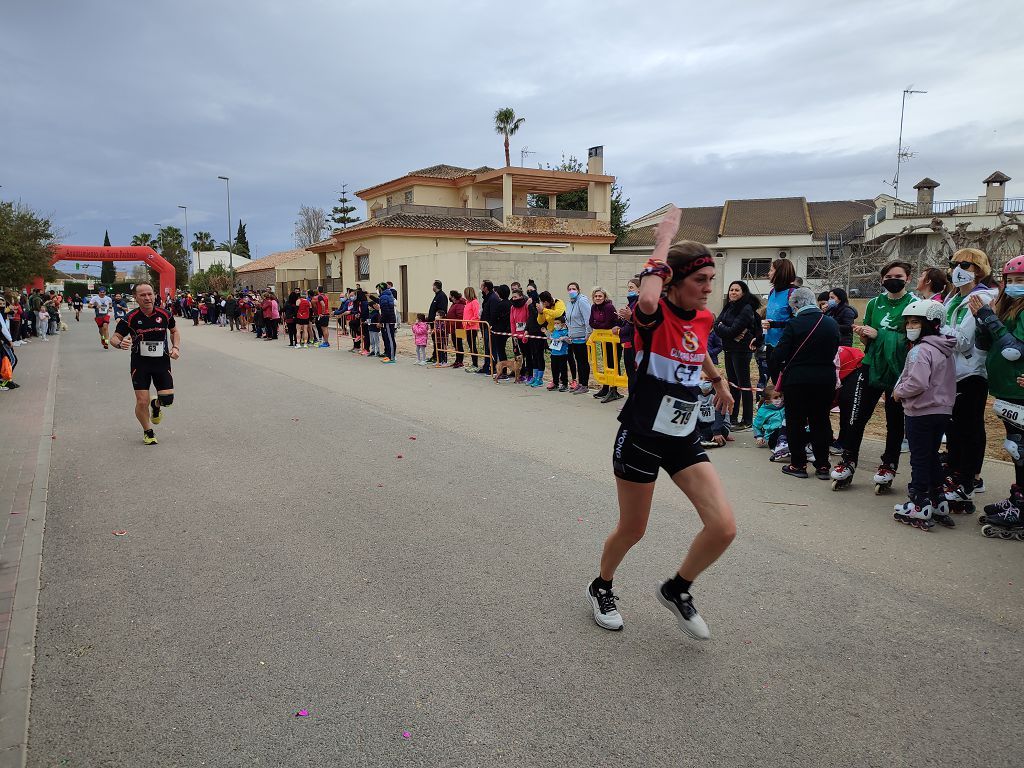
[280, 557]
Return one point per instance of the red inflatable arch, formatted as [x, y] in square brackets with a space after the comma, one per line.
[118, 253]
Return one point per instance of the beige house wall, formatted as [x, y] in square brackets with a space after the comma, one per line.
[423, 194]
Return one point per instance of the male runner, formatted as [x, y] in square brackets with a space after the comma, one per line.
[102, 304]
[323, 315]
[77, 304]
[120, 307]
[144, 332]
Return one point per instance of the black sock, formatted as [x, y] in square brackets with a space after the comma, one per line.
[600, 583]
[147, 432]
[677, 585]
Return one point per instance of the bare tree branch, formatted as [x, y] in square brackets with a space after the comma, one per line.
[311, 226]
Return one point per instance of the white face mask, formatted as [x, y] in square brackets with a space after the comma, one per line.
[913, 334]
[776, 401]
[962, 276]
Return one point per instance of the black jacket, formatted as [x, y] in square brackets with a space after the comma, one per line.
[440, 302]
[737, 317]
[489, 307]
[844, 315]
[502, 316]
[814, 363]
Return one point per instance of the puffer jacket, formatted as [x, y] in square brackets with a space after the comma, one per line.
[928, 383]
[603, 316]
[962, 326]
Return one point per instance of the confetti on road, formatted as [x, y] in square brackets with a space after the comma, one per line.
[412, 437]
[406, 735]
[302, 713]
[119, 533]
[398, 456]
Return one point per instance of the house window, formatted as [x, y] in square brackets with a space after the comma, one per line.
[408, 197]
[387, 201]
[755, 269]
[817, 266]
[363, 266]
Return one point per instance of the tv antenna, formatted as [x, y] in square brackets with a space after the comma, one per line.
[522, 156]
[902, 154]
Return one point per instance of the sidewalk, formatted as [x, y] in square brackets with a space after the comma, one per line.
[26, 423]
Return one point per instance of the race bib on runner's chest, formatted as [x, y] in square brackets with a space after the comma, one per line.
[1010, 412]
[675, 418]
[151, 348]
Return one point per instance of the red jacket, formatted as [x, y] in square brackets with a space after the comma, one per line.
[456, 311]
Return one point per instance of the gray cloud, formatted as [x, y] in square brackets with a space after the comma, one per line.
[116, 113]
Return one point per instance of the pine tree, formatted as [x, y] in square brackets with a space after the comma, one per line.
[241, 241]
[341, 214]
[108, 272]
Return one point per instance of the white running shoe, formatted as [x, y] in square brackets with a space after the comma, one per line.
[603, 602]
[683, 609]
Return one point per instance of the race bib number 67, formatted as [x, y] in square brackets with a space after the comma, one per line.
[676, 418]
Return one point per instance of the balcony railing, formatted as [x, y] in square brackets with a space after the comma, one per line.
[939, 208]
[478, 213]
[556, 213]
[1009, 205]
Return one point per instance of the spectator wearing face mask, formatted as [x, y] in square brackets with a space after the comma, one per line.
[839, 309]
[577, 323]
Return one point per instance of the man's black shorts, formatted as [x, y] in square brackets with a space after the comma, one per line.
[323, 321]
[637, 457]
[160, 378]
[302, 321]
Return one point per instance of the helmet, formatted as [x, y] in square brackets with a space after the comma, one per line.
[926, 308]
[1014, 266]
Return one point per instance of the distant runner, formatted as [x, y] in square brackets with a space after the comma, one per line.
[144, 332]
[102, 305]
[77, 304]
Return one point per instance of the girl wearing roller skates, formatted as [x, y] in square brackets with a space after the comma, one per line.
[965, 438]
[1001, 332]
[659, 425]
[885, 351]
[926, 388]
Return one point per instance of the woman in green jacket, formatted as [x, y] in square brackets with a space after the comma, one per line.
[1001, 331]
[885, 351]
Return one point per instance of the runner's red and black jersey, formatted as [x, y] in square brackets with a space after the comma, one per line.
[671, 346]
[152, 327]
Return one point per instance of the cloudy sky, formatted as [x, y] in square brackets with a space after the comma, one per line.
[115, 113]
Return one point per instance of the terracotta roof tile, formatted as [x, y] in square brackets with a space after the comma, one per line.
[698, 224]
[997, 177]
[442, 171]
[273, 260]
[414, 221]
[770, 216]
[832, 216]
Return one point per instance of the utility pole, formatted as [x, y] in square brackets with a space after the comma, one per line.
[231, 239]
[188, 248]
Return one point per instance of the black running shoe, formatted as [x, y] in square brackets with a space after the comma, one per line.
[683, 609]
[792, 471]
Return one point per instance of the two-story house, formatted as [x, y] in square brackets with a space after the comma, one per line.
[462, 226]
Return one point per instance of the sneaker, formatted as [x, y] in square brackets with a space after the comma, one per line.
[823, 472]
[581, 390]
[431, 360]
[148, 437]
[741, 427]
[708, 444]
[683, 609]
[552, 386]
[10, 385]
[979, 485]
[836, 449]
[612, 396]
[792, 471]
[385, 359]
[324, 345]
[905, 447]
[603, 602]
[601, 393]
[563, 388]
[154, 411]
[573, 384]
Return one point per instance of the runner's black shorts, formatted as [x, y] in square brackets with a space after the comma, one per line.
[302, 321]
[158, 377]
[323, 321]
[638, 457]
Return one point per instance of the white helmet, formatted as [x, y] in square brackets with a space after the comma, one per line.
[926, 308]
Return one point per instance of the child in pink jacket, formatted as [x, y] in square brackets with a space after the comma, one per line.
[420, 332]
[927, 389]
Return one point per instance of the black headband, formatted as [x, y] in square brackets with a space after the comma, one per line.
[688, 268]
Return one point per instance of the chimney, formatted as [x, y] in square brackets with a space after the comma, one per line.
[995, 192]
[595, 160]
[925, 193]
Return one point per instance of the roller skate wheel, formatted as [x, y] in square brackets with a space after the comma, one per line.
[1019, 535]
[836, 485]
[982, 519]
[1004, 534]
[989, 531]
[879, 487]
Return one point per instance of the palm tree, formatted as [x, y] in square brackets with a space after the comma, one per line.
[203, 241]
[506, 124]
[145, 239]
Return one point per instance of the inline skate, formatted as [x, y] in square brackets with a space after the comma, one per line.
[781, 451]
[1006, 522]
[961, 500]
[941, 511]
[842, 474]
[883, 478]
[913, 514]
[998, 508]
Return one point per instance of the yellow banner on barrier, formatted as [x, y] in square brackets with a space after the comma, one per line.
[607, 373]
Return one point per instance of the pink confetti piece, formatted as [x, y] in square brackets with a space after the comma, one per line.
[302, 713]
[412, 437]
[119, 533]
[406, 735]
[380, 485]
[579, 519]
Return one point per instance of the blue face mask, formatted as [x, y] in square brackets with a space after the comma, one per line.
[632, 294]
[832, 302]
[1014, 291]
[573, 294]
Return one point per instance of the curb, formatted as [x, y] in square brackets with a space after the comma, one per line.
[16, 684]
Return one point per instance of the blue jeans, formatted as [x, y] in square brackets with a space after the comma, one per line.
[924, 434]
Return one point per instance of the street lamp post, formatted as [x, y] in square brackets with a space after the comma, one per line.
[231, 241]
[187, 246]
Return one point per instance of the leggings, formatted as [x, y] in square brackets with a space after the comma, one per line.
[387, 332]
[474, 359]
[16, 330]
[353, 327]
[737, 370]
[965, 438]
[271, 328]
[579, 353]
[865, 398]
[460, 346]
[629, 365]
[558, 372]
[535, 355]
[291, 333]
